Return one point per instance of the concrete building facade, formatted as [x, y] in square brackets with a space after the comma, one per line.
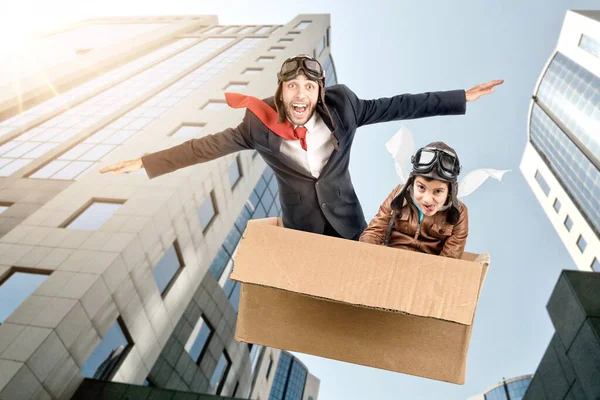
[123, 278]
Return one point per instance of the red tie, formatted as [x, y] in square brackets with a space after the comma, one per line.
[268, 116]
[300, 133]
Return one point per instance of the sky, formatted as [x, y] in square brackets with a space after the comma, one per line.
[382, 48]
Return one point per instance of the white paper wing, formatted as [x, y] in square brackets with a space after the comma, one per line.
[401, 146]
[474, 179]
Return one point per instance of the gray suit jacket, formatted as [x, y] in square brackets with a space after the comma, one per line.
[307, 203]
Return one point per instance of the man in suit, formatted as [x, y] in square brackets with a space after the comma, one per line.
[305, 134]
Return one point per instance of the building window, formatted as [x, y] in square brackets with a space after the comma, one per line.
[263, 30]
[93, 216]
[581, 243]
[568, 223]
[590, 45]
[302, 25]
[569, 93]
[254, 355]
[297, 381]
[284, 40]
[15, 288]
[214, 105]
[321, 46]
[269, 366]
[247, 29]
[148, 383]
[217, 381]
[214, 30]
[261, 200]
[207, 212]
[236, 87]
[264, 59]
[595, 265]
[199, 339]
[78, 118]
[108, 355]
[4, 207]
[232, 291]
[231, 29]
[498, 393]
[168, 268]
[235, 172]
[542, 182]
[189, 131]
[219, 263]
[330, 76]
[290, 378]
[328, 37]
[252, 71]
[556, 205]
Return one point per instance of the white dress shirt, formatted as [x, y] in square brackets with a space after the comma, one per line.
[318, 146]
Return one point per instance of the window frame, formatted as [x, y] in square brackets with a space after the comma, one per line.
[208, 339]
[23, 270]
[81, 210]
[213, 201]
[238, 161]
[179, 256]
[123, 356]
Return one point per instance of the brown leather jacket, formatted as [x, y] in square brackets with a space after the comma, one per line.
[436, 236]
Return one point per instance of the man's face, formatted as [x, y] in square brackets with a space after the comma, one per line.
[300, 96]
[430, 195]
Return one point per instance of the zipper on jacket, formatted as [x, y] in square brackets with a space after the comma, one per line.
[417, 235]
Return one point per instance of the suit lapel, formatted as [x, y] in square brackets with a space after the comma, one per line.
[334, 138]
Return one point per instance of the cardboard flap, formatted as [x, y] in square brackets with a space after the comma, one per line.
[358, 273]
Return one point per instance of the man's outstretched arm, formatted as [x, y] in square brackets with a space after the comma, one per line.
[188, 153]
[411, 106]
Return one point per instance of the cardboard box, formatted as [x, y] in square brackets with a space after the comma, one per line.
[382, 307]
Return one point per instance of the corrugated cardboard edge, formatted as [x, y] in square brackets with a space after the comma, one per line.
[468, 257]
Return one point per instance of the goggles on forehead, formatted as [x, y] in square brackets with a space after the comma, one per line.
[308, 65]
[447, 163]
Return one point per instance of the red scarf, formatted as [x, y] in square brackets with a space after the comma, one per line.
[268, 116]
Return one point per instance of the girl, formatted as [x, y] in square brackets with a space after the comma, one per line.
[424, 214]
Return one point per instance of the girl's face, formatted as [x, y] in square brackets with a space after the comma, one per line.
[430, 195]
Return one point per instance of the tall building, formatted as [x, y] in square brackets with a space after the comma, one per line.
[123, 278]
[292, 380]
[570, 367]
[561, 161]
[508, 389]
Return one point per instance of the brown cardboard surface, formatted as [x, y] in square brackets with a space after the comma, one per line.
[365, 304]
[425, 347]
[358, 273]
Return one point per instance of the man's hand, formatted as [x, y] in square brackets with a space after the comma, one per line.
[483, 89]
[123, 167]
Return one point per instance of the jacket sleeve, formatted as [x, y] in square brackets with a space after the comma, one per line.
[200, 150]
[375, 232]
[455, 244]
[406, 106]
